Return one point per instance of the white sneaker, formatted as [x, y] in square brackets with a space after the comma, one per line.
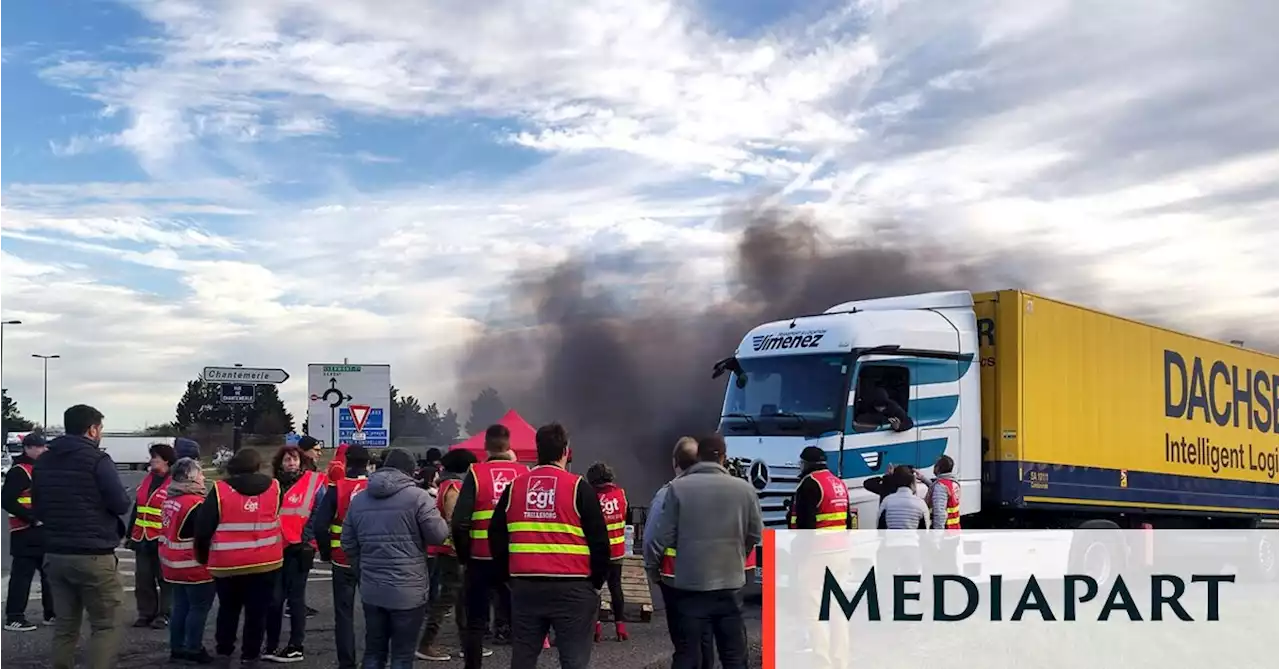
[19, 625]
[432, 654]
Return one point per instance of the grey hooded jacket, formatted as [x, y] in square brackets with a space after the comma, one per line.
[385, 535]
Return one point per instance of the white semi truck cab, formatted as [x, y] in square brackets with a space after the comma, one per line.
[807, 381]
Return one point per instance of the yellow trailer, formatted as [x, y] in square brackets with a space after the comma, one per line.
[1085, 409]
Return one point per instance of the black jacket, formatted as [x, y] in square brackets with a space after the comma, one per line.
[593, 527]
[28, 542]
[207, 518]
[805, 505]
[78, 496]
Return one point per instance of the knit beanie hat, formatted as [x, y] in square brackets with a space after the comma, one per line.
[400, 460]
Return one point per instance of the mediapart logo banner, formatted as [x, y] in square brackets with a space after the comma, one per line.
[1022, 598]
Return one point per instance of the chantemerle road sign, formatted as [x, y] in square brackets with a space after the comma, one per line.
[237, 393]
[244, 375]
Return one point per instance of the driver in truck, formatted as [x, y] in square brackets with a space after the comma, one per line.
[878, 409]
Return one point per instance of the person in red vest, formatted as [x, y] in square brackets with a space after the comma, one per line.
[613, 504]
[327, 525]
[472, 522]
[26, 539]
[448, 572]
[238, 538]
[300, 490]
[822, 499]
[151, 591]
[549, 537]
[190, 583]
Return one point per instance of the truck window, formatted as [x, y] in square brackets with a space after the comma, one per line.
[883, 391]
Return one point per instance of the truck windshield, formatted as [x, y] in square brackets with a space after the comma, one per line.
[786, 395]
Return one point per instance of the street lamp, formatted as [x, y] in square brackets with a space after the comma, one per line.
[4, 426]
[46, 358]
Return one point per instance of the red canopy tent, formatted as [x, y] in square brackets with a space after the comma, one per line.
[522, 442]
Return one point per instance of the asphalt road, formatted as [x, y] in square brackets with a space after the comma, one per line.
[649, 645]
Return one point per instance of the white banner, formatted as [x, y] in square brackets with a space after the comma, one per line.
[1129, 599]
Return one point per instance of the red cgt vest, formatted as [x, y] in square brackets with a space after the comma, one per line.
[613, 504]
[178, 556]
[445, 486]
[296, 507]
[492, 478]
[545, 529]
[346, 489]
[146, 517]
[832, 512]
[24, 500]
[953, 503]
[248, 533]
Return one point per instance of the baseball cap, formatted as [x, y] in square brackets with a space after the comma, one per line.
[307, 443]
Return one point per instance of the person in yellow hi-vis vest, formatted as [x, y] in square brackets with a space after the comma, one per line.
[151, 592]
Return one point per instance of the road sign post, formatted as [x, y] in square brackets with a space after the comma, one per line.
[237, 386]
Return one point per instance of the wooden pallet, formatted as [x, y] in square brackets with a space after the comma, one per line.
[635, 589]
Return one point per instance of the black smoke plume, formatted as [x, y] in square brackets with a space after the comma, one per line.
[616, 352]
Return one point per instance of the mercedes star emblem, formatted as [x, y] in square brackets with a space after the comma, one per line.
[759, 474]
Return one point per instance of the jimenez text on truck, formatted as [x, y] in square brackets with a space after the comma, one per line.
[1056, 416]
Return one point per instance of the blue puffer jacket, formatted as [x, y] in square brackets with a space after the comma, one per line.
[385, 535]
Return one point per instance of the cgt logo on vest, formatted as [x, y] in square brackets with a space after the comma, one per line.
[295, 498]
[608, 506]
[500, 480]
[540, 500]
[251, 505]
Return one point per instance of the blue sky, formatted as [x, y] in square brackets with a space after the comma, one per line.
[277, 182]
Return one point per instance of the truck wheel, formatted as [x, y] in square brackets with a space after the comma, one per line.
[1094, 554]
[1264, 557]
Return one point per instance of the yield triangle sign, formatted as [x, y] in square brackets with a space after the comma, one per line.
[359, 413]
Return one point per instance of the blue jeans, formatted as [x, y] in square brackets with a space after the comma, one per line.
[191, 604]
[391, 635]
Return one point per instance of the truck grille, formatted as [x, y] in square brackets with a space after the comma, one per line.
[776, 496]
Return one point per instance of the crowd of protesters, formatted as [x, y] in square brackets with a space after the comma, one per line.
[419, 541]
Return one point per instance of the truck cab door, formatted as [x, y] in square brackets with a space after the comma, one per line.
[871, 444]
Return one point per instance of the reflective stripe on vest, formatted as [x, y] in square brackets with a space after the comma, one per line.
[346, 489]
[24, 501]
[613, 504]
[491, 478]
[296, 508]
[178, 562]
[146, 517]
[248, 532]
[445, 486]
[953, 503]
[546, 537]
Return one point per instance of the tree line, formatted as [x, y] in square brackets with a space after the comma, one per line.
[201, 405]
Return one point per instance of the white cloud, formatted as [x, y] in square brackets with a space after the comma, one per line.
[1139, 135]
